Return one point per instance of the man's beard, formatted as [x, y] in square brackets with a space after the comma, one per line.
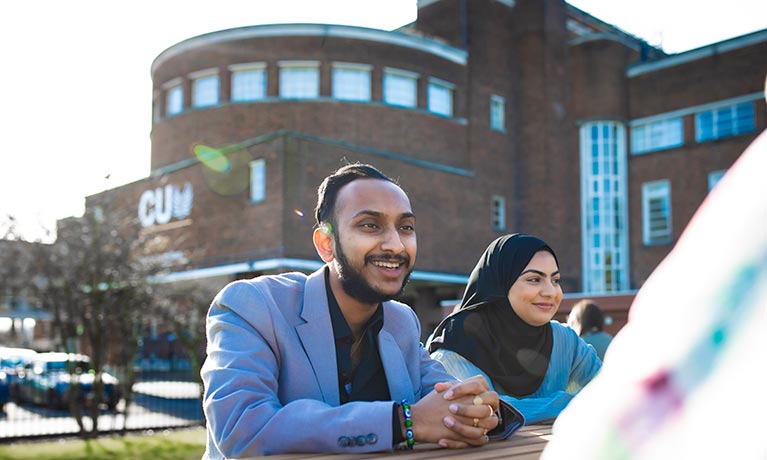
[355, 285]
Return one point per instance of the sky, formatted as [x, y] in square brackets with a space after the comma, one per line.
[75, 111]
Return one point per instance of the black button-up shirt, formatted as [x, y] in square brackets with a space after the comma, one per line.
[367, 380]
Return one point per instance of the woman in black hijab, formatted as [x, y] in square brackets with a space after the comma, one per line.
[503, 329]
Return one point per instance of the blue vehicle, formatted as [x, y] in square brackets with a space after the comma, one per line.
[11, 361]
[48, 380]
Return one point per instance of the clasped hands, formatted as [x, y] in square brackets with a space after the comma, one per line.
[456, 414]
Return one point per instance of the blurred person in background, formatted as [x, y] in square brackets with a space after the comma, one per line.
[588, 321]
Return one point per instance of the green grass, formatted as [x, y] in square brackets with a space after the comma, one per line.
[186, 444]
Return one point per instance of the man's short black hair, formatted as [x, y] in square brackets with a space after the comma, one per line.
[328, 189]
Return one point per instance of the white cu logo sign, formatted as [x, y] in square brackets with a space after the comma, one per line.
[159, 205]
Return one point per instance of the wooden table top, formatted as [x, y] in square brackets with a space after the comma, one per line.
[525, 444]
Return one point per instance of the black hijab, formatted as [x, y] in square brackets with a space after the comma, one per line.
[486, 330]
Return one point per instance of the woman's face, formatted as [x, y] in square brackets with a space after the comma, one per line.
[536, 295]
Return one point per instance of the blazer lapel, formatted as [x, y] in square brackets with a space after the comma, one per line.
[316, 336]
[394, 366]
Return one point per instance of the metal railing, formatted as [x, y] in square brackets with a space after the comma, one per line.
[161, 399]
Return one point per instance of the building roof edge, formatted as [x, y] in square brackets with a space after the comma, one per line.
[724, 46]
[397, 38]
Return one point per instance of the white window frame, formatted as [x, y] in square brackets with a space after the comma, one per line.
[439, 97]
[248, 81]
[257, 180]
[657, 135]
[351, 82]
[714, 177]
[725, 121]
[604, 209]
[299, 79]
[498, 204]
[497, 113]
[206, 88]
[400, 87]
[174, 97]
[653, 191]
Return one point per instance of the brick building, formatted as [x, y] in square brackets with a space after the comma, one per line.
[496, 116]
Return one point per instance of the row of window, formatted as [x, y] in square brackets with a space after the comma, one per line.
[301, 80]
[656, 209]
[715, 123]
[352, 82]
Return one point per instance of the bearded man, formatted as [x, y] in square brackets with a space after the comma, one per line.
[328, 362]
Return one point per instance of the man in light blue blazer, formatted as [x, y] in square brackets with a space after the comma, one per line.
[328, 362]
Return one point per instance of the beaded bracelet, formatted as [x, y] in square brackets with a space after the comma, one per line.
[408, 424]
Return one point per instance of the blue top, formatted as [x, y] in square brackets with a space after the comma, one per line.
[572, 365]
[599, 340]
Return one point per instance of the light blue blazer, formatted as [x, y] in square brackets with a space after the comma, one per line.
[271, 379]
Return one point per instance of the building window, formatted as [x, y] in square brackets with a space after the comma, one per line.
[656, 212]
[714, 177]
[299, 80]
[248, 82]
[604, 213]
[257, 180]
[497, 113]
[725, 121]
[174, 97]
[400, 87]
[499, 212]
[658, 135]
[205, 89]
[351, 82]
[440, 97]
